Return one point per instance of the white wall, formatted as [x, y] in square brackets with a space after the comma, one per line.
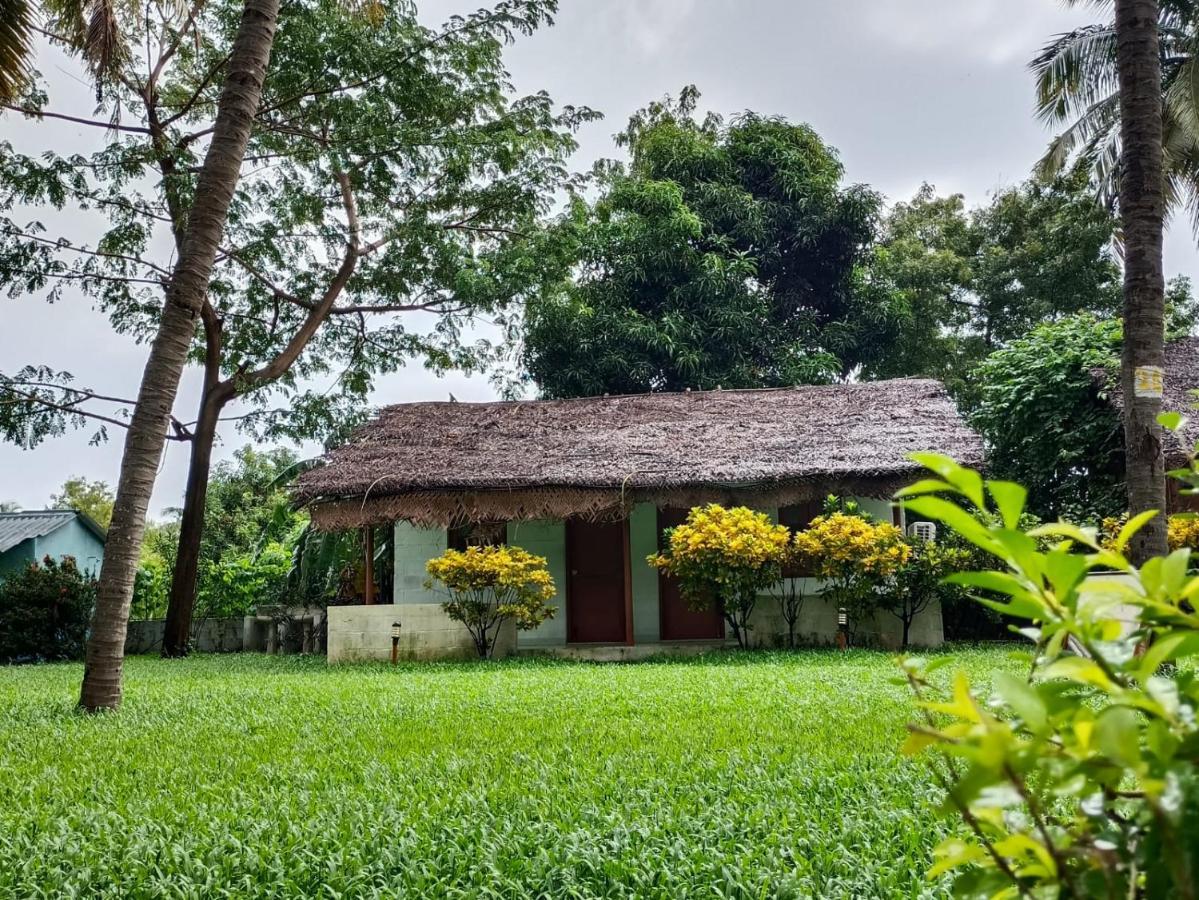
[413, 548]
[545, 538]
[362, 633]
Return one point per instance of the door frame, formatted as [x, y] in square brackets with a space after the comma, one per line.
[627, 578]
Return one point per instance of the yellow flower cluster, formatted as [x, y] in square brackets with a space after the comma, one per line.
[498, 568]
[712, 536]
[838, 544]
[1181, 531]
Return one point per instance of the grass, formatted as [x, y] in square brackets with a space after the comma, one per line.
[759, 775]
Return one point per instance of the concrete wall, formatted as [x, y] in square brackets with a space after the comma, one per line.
[16, 558]
[208, 635]
[362, 633]
[817, 623]
[413, 548]
[643, 540]
[545, 538]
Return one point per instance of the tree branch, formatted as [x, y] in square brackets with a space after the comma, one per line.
[43, 114]
[70, 407]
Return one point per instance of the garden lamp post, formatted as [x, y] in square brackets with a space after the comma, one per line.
[395, 642]
[843, 628]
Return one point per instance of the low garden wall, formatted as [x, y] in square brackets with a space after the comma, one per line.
[817, 626]
[362, 633]
[208, 635]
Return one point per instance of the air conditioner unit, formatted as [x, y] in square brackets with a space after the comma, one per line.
[923, 531]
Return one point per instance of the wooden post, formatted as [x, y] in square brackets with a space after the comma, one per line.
[368, 584]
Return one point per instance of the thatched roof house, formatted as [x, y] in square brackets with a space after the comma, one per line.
[592, 485]
[452, 463]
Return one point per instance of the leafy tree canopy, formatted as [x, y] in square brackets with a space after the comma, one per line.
[385, 202]
[961, 283]
[723, 253]
[93, 498]
[1039, 410]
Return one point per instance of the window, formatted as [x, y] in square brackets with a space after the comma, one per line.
[476, 534]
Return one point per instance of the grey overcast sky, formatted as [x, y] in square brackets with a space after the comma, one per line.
[907, 90]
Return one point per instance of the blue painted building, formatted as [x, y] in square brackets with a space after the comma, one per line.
[29, 536]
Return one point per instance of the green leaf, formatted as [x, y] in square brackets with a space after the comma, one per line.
[1024, 701]
[1132, 526]
[1171, 421]
[1009, 500]
[967, 481]
[954, 517]
[1118, 736]
[925, 486]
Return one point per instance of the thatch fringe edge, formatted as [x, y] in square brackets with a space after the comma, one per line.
[432, 509]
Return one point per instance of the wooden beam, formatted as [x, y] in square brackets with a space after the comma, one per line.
[368, 581]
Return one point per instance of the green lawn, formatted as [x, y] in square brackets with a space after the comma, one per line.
[737, 776]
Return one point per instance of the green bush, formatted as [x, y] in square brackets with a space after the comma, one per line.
[1081, 779]
[44, 611]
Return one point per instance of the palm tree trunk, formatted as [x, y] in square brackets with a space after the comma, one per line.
[238, 104]
[1142, 211]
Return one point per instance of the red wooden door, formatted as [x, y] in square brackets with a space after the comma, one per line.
[595, 585]
[678, 621]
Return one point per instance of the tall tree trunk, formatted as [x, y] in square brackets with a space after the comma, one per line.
[1142, 212]
[238, 104]
[176, 639]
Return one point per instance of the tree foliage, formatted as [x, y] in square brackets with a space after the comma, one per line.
[962, 283]
[724, 253]
[1040, 411]
[352, 245]
[93, 498]
[1077, 91]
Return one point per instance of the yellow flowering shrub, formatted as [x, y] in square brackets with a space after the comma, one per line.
[839, 544]
[854, 555]
[489, 585]
[725, 557]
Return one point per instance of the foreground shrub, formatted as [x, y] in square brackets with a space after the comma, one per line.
[725, 558]
[490, 585]
[44, 611]
[1081, 780]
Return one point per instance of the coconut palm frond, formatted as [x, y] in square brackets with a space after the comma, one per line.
[92, 28]
[1098, 126]
[102, 47]
[1077, 88]
[16, 45]
[1075, 71]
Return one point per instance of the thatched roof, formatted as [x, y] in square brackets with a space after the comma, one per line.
[441, 463]
[1181, 383]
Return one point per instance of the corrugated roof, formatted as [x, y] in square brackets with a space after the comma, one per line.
[21, 526]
